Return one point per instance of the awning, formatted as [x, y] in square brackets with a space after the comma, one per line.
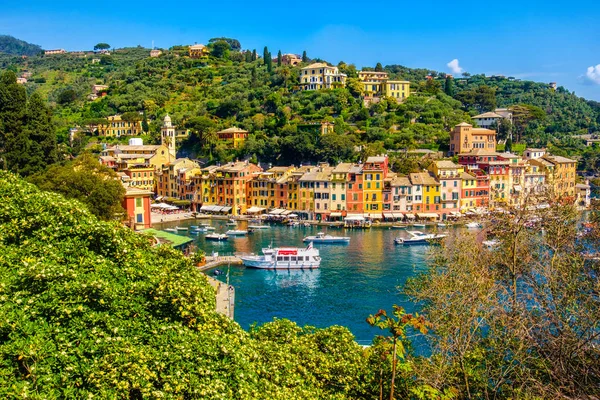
[354, 218]
[427, 215]
[293, 215]
[398, 215]
[224, 209]
[276, 211]
[376, 216]
[253, 210]
[409, 216]
[206, 208]
[335, 214]
[159, 198]
[286, 212]
[456, 214]
[389, 216]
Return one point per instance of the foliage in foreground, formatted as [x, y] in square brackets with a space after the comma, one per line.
[89, 308]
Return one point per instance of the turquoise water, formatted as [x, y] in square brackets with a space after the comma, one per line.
[354, 280]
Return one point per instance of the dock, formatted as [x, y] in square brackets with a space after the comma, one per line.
[213, 262]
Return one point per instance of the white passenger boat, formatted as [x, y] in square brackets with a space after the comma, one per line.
[236, 232]
[399, 226]
[474, 225]
[323, 238]
[417, 237]
[181, 228]
[216, 236]
[285, 258]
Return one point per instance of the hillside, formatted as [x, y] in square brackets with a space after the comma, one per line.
[232, 90]
[90, 309]
[14, 46]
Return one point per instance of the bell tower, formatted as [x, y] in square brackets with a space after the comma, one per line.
[167, 137]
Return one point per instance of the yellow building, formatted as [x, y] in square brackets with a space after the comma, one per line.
[562, 179]
[168, 177]
[339, 177]
[141, 177]
[465, 138]
[234, 137]
[321, 76]
[374, 172]
[198, 51]
[377, 84]
[117, 127]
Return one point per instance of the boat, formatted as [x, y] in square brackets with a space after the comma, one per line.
[216, 236]
[181, 228]
[419, 225]
[417, 237]
[293, 223]
[441, 225]
[231, 222]
[170, 230]
[236, 232]
[257, 227]
[323, 238]
[399, 226]
[473, 225]
[209, 228]
[285, 258]
[193, 226]
[307, 224]
[490, 244]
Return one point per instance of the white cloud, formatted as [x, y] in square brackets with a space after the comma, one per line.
[593, 74]
[454, 67]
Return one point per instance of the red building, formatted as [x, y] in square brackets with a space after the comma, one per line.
[136, 203]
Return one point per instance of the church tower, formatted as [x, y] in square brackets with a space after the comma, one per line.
[167, 137]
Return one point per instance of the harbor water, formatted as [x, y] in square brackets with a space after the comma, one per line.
[354, 280]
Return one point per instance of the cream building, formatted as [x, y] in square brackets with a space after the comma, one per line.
[321, 76]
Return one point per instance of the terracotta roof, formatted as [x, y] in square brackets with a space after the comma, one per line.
[423, 178]
[558, 159]
[464, 124]
[467, 176]
[488, 115]
[401, 181]
[317, 65]
[480, 152]
[376, 159]
[446, 164]
[342, 167]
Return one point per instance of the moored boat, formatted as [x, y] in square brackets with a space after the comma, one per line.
[181, 228]
[474, 225]
[417, 237]
[236, 232]
[285, 258]
[231, 222]
[399, 226]
[323, 238]
[170, 230]
[216, 236]
[257, 227]
[418, 225]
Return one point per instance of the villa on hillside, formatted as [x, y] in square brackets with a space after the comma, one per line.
[234, 136]
[321, 76]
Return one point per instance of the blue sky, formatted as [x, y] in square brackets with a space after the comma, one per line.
[542, 41]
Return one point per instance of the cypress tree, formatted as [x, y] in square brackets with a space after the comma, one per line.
[279, 58]
[266, 56]
[13, 101]
[449, 86]
[254, 56]
[40, 134]
[379, 67]
[248, 56]
[304, 57]
[269, 62]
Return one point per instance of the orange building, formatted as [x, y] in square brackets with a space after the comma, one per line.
[465, 138]
[136, 203]
[354, 191]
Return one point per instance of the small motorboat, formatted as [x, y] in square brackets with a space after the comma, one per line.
[323, 238]
[417, 225]
[210, 228]
[307, 224]
[236, 232]
[181, 228]
[399, 226]
[474, 225]
[170, 230]
[193, 227]
[216, 237]
[417, 237]
[441, 225]
[231, 222]
[217, 272]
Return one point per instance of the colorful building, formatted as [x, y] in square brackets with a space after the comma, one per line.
[563, 176]
[198, 51]
[449, 175]
[234, 137]
[465, 138]
[354, 191]
[141, 176]
[374, 170]
[318, 76]
[339, 179]
[116, 127]
[136, 203]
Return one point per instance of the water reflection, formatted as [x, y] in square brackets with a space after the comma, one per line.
[283, 279]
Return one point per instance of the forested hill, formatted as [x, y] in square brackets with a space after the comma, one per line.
[14, 46]
[238, 88]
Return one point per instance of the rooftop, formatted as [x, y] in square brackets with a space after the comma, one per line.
[487, 115]
[446, 164]
[232, 130]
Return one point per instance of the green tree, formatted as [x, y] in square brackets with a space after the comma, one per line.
[449, 86]
[254, 56]
[102, 46]
[13, 102]
[41, 135]
[279, 58]
[88, 181]
[234, 44]
[220, 49]
[304, 57]
[378, 67]
[132, 117]
[266, 56]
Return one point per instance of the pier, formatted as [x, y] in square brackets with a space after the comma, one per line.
[213, 262]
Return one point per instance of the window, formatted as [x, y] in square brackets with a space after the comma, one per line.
[139, 218]
[138, 202]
